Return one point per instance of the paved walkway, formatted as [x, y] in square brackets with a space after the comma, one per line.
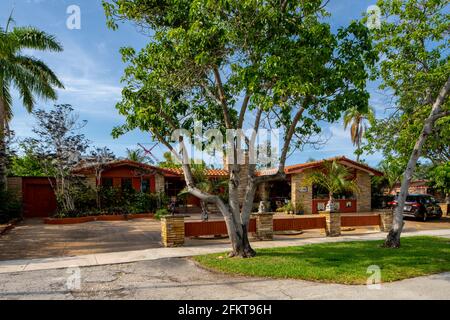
[162, 253]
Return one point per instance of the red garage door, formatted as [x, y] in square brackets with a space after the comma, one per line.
[38, 198]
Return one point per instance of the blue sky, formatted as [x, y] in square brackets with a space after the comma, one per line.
[91, 68]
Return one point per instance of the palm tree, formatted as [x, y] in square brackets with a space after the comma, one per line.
[30, 76]
[335, 178]
[357, 121]
[136, 155]
[392, 173]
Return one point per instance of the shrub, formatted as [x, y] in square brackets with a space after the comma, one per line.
[10, 206]
[119, 201]
[161, 213]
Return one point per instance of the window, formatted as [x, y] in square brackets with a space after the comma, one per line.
[107, 182]
[127, 184]
[145, 185]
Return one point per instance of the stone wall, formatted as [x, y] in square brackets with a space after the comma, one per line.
[172, 231]
[159, 183]
[301, 191]
[264, 226]
[14, 185]
[364, 197]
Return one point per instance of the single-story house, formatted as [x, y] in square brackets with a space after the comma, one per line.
[148, 178]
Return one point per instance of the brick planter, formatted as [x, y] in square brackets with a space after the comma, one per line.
[332, 223]
[172, 231]
[264, 226]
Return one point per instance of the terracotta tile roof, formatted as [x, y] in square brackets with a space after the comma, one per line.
[314, 164]
[87, 168]
[209, 172]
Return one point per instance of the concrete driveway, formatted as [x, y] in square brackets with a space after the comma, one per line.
[181, 279]
[32, 239]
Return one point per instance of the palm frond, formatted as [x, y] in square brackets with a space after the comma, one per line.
[39, 69]
[334, 177]
[32, 38]
[7, 100]
[10, 20]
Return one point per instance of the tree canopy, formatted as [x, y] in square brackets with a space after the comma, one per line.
[234, 65]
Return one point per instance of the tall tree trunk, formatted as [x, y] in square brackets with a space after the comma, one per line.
[393, 238]
[3, 182]
[237, 223]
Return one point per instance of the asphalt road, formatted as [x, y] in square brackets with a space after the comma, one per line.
[180, 279]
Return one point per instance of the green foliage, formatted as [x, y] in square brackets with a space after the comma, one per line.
[392, 169]
[10, 206]
[291, 208]
[356, 119]
[160, 213]
[28, 165]
[31, 77]
[440, 178]
[149, 202]
[113, 201]
[413, 43]
[117, 201]
[334, 177]
[281, 58]
[136, 155]
[169, 162]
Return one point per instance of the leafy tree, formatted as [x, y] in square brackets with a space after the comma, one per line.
[59, 146]
[99, 159]
[31, 76]
[415, 68]
[356, 119]
[27, 165]
[169, 161]
[440, 179]
[230, 64]
[335, 178]
[392, 169]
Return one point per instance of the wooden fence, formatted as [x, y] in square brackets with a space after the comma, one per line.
[199, 228]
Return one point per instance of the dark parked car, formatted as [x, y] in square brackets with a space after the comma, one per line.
[420, 206]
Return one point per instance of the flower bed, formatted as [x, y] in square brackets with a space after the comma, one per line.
[119, 217]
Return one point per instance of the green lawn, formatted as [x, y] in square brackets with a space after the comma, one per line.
[343, 262]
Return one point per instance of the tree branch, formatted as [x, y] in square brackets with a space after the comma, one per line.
[222, 98]
[243, 110]
[290, 132]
